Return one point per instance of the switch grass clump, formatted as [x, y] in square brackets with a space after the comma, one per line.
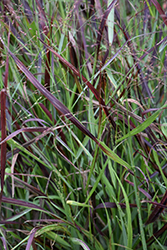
[83, 89]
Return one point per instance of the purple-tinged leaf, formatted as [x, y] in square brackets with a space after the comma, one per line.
[3, 137]
[33, 129]
[150, 110]
[63, 109]
[158, 210]
[4, 243]
[140, 189]
[45, 220]
[56, 103]
[30, 187]
[152, 162]
[66, 159]
[35, 120]
[146, 16]
[3, 123]
[77, 73]
[9, 222]
[43, 21]
[110, 60]
[160, 10]
[28, 11]
[31, 238]
[155, 203]
[26, 204]
[113, 205]
[25, 145]
[145, 178]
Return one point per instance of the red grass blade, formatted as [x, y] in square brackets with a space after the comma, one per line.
[157, 234]
[61, 107]
[158, 210]
[23, 204]
[3, 136]
[103, 23]
[56, 103]
[160, 10]
[37, 129]
[3, 124]
[76, 72]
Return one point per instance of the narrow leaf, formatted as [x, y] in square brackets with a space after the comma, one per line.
[142, 126]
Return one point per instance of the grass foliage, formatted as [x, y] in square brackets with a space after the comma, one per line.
[83, 124]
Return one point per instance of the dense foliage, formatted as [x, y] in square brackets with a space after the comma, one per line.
[83, 124]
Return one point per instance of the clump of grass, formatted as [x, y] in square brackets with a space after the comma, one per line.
[83, 124]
